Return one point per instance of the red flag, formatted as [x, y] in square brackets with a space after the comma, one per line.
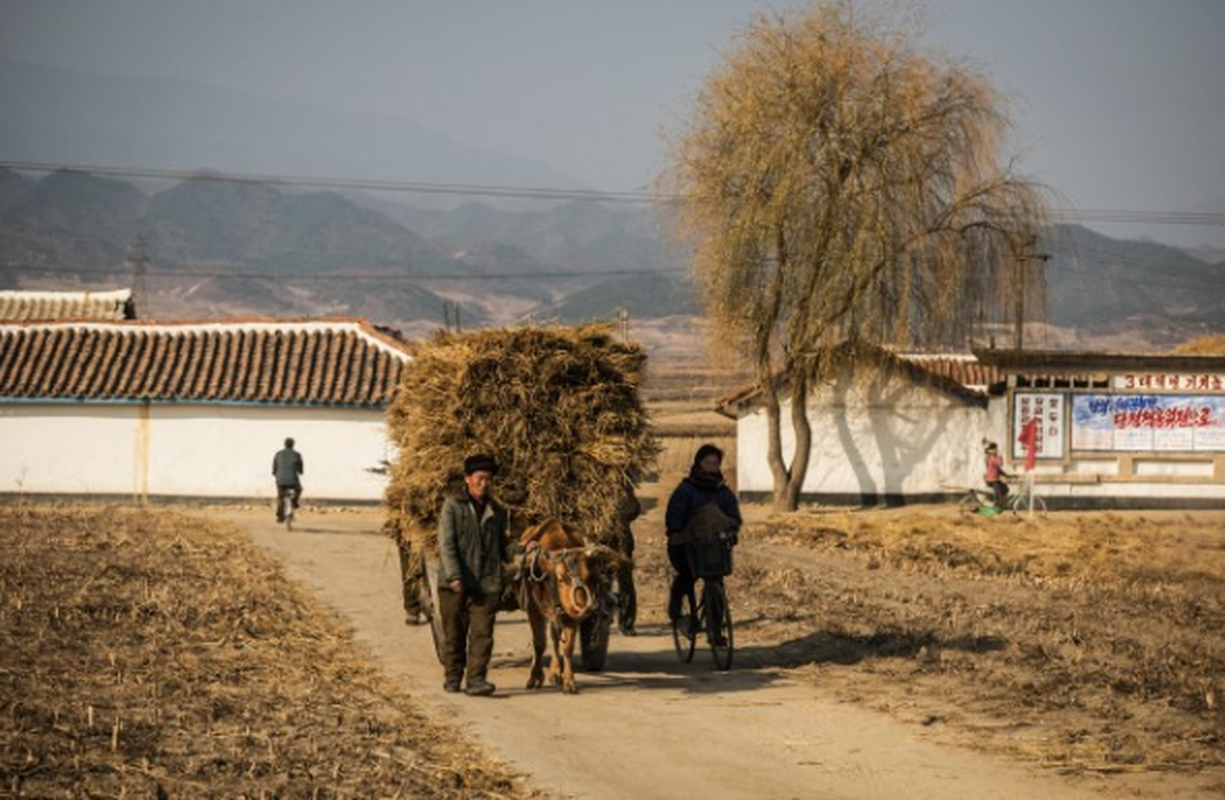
[1029, 438]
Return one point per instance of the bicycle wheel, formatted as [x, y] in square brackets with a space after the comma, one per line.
[287, 512]
[683, 635]
[718, 623]
[968, 505]
[1020, 505]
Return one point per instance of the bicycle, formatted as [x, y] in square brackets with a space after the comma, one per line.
[709, 561]
[287, 510]
[981, 501]
[286, 500]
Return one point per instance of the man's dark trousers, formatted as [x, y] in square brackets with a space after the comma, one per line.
[467, 625]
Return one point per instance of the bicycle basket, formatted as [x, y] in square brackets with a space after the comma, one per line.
[709, 559]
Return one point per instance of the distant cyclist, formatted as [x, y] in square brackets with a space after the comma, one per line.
[287, 468]
[995, 473]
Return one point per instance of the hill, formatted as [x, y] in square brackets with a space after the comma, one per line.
[223, 247]
[1149, 293]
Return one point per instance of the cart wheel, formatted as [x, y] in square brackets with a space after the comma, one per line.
[429, 607]
[593, 640]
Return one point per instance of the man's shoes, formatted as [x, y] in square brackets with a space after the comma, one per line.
[451, 686]
[720, 641]
[480, 689]
[629, 630]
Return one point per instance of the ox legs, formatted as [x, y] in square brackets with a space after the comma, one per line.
[539, 633]
[564, 637]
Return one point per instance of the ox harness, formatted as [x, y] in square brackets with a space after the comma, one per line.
[543, 574]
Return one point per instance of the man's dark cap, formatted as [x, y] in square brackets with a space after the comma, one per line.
[480, 463]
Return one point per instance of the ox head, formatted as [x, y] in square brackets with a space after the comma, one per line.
[578, 570]
[583, 577]
[576, 580]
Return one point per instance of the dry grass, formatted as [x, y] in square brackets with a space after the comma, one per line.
[1202, 346]
[558, 407]
[1091, 641]
[150, 654]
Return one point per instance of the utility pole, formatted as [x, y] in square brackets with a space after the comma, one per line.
[137, 262]
[1029, 253]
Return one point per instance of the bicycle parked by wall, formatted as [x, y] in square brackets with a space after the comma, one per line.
[1022, 500]
[709, 562]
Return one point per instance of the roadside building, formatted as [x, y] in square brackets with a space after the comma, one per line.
[1118, 430]
[31, 306]
[887, 429]
[1109, 430]
[195, 409]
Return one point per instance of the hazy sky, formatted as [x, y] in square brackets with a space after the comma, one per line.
[1119, 104]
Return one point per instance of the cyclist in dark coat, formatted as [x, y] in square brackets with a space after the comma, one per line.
[287, 469]
[703, 486]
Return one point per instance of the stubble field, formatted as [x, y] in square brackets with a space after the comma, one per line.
[149, 652]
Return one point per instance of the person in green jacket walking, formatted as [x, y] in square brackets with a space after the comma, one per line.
[473, 543]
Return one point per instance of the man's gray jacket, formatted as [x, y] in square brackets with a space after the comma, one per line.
[473, 550]
[287, 466]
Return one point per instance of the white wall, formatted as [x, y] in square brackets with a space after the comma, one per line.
[882, 438]
[188, 450]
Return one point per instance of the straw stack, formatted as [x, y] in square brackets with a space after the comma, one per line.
[558, 407]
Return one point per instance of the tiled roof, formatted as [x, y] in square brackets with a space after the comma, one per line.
[30, 306]
[965, 370]
[312, 362]
[962, 375]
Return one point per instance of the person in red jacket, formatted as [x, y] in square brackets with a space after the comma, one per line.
[996, 473]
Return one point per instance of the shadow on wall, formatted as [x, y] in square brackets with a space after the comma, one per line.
[907, 436]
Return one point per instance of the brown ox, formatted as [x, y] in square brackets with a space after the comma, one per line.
[563, 578]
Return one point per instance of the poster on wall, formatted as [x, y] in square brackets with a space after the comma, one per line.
[1048, 409]
[1148, 423]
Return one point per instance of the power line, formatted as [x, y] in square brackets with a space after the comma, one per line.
[1148, 217]
[416, 187]
[1063, 214]
[352, 276]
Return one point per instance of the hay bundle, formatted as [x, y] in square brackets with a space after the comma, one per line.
[557, 407]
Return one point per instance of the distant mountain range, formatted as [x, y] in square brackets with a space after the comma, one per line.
[225, 248]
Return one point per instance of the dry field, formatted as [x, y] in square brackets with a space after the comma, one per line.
[1087, 642]
[150, 654]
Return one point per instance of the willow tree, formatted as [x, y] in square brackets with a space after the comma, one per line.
[841, 186]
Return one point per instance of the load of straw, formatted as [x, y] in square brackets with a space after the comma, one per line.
[558, 407]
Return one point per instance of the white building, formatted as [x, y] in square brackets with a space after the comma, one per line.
[196, 409]
[1114, 430]
[894, 431]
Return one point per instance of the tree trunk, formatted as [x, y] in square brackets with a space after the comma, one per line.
[788, 479]
[803, 444]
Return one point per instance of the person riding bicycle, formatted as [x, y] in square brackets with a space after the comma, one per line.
[287, 469]
[995, 473]
[700, 505]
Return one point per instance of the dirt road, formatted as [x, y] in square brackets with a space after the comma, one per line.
[647, 726]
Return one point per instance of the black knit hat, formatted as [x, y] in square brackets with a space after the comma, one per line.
[706, 450]
[481, 462]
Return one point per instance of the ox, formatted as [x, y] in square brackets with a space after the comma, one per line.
[564, 580]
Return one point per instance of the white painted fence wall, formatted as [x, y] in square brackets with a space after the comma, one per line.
[891, 440]
[188, 450]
